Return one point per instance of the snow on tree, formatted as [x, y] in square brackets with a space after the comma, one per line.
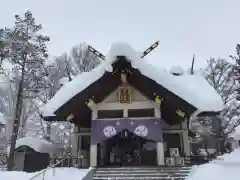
[55, 71]
[219, 74]
[61, 67]
[83, 59]
[236, 69]
[65, 67]
[27, 53]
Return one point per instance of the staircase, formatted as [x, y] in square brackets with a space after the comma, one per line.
[144, 173]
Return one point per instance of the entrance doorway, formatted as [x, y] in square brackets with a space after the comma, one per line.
[127, 149]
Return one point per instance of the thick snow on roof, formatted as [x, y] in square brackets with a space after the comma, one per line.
[39, 145]
[63, 80]
[192, 88]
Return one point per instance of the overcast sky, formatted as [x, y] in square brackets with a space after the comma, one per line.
[204, 27]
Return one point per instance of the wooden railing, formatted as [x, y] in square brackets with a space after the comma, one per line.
[69, 162]
[45, 170]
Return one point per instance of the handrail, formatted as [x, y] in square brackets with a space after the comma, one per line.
[44, 170]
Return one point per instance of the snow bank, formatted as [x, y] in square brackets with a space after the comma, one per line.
[39, 145]
[51, 174]
[236, 134]
[192, 88]
[226, 167]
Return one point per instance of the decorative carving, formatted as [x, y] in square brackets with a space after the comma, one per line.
[109, 131]
[91, 103]
[124, 95]
[141, 131]
[70, 117]
[158, 100]
[180, 113]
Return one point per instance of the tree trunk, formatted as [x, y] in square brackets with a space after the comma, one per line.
[18, 112]
[206, 146]
[48, 131]
[222, 145]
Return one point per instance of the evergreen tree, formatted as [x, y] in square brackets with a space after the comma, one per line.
[27, 53]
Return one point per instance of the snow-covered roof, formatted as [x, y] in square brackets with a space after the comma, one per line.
[39, 145]
[63, 80]
[192, 88]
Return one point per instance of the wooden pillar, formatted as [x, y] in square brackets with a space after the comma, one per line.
[93, 147]
[186, 145]
[159, 145]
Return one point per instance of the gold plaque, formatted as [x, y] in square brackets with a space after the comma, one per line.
[124, 95]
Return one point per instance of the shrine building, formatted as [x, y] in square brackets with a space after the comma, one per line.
[129, 112]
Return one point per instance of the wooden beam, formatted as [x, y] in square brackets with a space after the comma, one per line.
[96, 52]
[151, 48]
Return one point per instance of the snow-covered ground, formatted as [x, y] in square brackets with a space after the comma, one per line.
[226, 167]
[51, 174]
[236, 134]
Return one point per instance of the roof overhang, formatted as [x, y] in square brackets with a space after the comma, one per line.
[101, 88]
[185, 93]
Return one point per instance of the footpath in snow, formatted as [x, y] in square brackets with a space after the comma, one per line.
[226, 167]
[51, 174]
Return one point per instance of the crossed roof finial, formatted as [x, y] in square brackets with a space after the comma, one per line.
[97, 53]
[146, 52]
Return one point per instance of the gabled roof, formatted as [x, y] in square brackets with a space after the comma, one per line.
[193, 89]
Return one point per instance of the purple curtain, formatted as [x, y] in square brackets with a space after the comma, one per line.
[149, 128]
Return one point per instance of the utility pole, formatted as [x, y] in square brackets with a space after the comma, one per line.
[18, 113]
[192, 66]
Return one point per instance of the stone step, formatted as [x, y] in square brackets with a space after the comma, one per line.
[141, 175]
[138, 178]
[147, 169]
[139, 171]
[140, 167]
[142, 172]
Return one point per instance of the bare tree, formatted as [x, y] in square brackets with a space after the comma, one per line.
[219, 75]
[65, 67]
[57, 70]
[83, 59]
